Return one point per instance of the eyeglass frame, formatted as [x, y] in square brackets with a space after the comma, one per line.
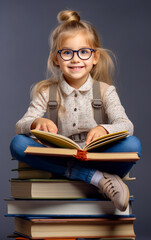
[77, 51]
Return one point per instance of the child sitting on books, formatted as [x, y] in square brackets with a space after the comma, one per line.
[77, 62]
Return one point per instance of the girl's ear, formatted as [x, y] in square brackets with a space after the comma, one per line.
[56, 60]
[96, 57]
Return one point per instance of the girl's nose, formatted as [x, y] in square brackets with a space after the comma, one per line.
[75, 58]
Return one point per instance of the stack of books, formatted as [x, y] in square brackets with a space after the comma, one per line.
[44, 207]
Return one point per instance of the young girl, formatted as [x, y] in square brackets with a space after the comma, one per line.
[76, 62]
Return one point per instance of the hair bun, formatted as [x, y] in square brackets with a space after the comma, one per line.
[68, 16]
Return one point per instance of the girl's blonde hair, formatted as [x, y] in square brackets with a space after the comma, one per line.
[70, 23]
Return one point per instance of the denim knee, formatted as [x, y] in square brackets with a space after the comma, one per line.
[128, 144]
[134, 144]
[19, 143]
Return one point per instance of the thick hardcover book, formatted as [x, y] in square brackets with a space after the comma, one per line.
[19, 236]
[52, 189]
[65, 208]
[24, 171]
[65, 147]
[28, 173]
[77, 228]
[83, 155]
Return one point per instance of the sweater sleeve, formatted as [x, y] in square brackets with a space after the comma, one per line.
[118, 120]
[36, 109]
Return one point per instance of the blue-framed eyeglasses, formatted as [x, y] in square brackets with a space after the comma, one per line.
[83, 53]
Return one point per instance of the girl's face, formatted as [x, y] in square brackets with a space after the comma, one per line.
[76, 70]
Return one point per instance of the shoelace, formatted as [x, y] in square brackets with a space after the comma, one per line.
[109, 190]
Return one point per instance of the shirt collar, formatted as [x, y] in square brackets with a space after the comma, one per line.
[67, 89]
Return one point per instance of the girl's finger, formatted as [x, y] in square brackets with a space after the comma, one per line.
[44, 128]
[89, 137]
[50, 129]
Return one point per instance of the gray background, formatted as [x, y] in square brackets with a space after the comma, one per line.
[125, 28]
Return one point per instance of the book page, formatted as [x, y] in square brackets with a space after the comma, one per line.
[105, 139]
[56, 139]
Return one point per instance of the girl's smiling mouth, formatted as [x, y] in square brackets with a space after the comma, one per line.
[76, 68]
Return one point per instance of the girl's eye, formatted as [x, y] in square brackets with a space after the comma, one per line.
[84, 51]
[67, 52]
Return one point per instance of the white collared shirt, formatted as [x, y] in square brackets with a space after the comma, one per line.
[78, 113]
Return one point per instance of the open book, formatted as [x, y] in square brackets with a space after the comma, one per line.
[65, 147]
[48, 138]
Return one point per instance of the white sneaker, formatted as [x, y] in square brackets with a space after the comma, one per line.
[115, 189]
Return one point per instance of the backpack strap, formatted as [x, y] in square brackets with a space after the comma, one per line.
[53, 104]
[96, 103]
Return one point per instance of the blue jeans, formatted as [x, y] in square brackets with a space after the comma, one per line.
[71, 167]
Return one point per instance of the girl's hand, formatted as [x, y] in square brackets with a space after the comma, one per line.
[96, 132]
[44, 124]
